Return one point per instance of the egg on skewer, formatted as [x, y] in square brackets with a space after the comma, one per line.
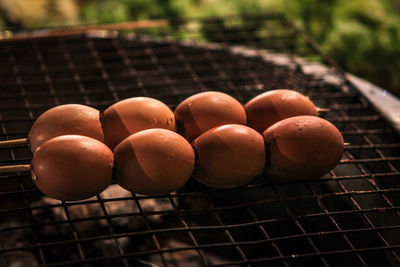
[203, 111]
[302, 147]
[70, 167]
[272, 106]
[229, 156]
[132, 115]
[153, 162]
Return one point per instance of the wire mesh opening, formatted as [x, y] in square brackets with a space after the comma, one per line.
[349, 216]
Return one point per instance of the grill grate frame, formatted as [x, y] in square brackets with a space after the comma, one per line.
[349, 216]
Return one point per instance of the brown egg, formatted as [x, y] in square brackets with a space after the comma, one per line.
[153, 162]
[63, 120]
[273, 106]
[133, 115]
[203, 111]
[229, 156]
[303, 147]
[72, 167]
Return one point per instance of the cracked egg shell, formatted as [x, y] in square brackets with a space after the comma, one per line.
[153, 162]
[203, 111]
[72, 167]
[229, 156]
[270, 107]
[132, 115]
[64, 120]
[303, 147]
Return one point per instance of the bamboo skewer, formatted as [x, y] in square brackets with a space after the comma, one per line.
[27, 167]
[8, 143]
[18, 168]
[15, 168]
[323, 110]
[84, 29]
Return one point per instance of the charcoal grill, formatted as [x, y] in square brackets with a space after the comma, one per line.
[348, 217]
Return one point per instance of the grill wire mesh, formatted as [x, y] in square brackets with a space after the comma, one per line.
[349, 217]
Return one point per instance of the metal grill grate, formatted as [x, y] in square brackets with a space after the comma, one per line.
[350, 216]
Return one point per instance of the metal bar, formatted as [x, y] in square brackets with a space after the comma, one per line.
[231, 238]
[356, 204]
[331, 213]
[74, 233]
[132, 70]
[267, 237]
[340, 230]
[104, 74]
[188, 229]
[247, 204]
[249, 261]
[112, 231]
[45, 73]
[184, 229]
[153, 236]
[258, 260]
[384, 101]
[72, 68]
[297, 223]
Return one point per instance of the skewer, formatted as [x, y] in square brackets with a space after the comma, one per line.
[8, 143]
[323, 110]
[23, 141]
[91, 132]
[27, 167]
[15, 168]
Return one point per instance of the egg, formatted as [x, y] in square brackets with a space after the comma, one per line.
[153, 162]
[273, 106]
[72, 167]
[303, 147]
[229, 156]
[132, 115]
[203, 111]
[64, 120]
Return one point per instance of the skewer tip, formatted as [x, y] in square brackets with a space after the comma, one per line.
[323, 109]
[15, 168]
[10, 143]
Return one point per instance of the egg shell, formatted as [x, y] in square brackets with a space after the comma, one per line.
[273, 106]
[203, 111]
[229, 156]
[132, 115]
[72, 167]
[153, 162]
[303, 147]
[65, 120]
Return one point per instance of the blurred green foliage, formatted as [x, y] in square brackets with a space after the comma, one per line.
[363, 36]
[364, 39]
[123, 10]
